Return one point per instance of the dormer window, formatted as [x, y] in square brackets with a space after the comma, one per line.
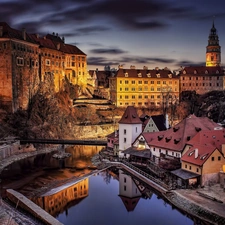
[126, 74]
[158, 75]
[160, 137]
[206, 72]
[195, 72]
[175, 129]
[217, 71]
[170, 75]
[148, 75]
[139, 75]
[177, 140]
[184, 72]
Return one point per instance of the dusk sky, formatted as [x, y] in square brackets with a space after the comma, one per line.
[152, 33]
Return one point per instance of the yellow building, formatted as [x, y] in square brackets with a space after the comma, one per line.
[204, 156]
[143, 87]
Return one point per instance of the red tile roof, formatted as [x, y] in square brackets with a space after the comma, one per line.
[175, 138]
[130, 116]
[49, 41]
[203, 145]
[198, 154]
[145, 73]
[201, 70]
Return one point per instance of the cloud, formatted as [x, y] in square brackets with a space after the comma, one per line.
[128, 60]
[112, 51]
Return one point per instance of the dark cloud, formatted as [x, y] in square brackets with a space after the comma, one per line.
[112, 51]
[135, 14]
[90, 30]
[102, 61]
[189, 63]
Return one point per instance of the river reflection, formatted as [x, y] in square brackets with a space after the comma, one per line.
[118, 198]
[35, 173]
[109, 197]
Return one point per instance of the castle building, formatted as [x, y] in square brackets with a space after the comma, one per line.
[26, 60]
[203, 79]
[143, 87]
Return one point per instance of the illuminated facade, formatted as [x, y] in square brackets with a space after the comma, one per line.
[56, 203]
[26, 60]
[142, 88]
[203, 79]
[213, 50]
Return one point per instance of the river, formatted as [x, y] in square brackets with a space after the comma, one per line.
[109, 197]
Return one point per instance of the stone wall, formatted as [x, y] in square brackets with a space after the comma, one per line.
[24, 203]
[93, 131]
[9, 149]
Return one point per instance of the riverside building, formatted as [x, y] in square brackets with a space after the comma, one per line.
[26, 60]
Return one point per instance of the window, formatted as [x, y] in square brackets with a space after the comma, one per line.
[125, 180]
[189, 167]
[133, 82]
[126, 89]
[219, 158]
[125, 188]
[213, 158]
[197, 170]
[126, 82]
[140, 82]
[186, 166]
[164, 82]
[124, 140]
[120, 81]
[152, 88]
[19, 61]
[158, 82]
[47, 62]
[145, 82]
[132, 89]
[124, 131]
[152, 81]
[126, 97]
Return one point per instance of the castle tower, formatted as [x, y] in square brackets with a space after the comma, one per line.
[213, 50]
[130, 126]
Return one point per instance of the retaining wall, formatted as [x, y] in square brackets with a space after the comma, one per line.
[24, 203]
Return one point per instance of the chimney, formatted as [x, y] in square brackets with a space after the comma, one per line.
[132, 67]
[120, 66]
[167, 122]
[196, 153]
[63, 39]
[24, 34]
[58, 46]
[1, 31]
[145, 67]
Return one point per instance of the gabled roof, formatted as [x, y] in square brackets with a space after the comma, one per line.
[175, 138]
[203, 145]
[198, 154]
[159, 121]
[130, 116]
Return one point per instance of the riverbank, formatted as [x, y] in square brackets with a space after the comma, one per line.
[201, 203]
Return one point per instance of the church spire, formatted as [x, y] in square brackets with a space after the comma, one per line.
[213, 49]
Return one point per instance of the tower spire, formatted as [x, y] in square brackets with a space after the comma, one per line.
[213, 49]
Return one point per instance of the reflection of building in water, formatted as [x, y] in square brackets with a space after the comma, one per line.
[131, 190]
[60, 201]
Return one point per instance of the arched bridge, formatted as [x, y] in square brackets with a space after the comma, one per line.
[65, 142]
